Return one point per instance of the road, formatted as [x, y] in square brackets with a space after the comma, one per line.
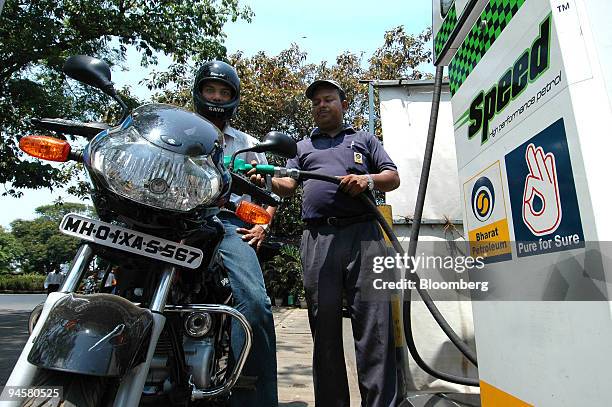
[14, 312]
[20, 302]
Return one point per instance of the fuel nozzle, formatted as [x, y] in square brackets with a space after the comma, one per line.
[241, 165]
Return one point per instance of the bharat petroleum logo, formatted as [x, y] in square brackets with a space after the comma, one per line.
[483, 199]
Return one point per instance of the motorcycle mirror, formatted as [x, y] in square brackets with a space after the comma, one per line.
[277, 143]
[90, 71]
[96, 73]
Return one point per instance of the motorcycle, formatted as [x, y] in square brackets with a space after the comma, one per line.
[159, 179]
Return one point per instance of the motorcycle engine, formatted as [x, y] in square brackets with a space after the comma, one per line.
[199, 357]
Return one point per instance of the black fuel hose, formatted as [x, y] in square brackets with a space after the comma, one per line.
[418, 213]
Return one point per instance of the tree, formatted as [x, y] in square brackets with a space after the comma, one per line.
[272, 92]
[401, 55]
[45, 248]
[38, 36]
[55, 212]
[10, 251]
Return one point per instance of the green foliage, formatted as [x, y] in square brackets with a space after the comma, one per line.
[401, 55]
[284, 273]
[272, 92]
[287, 223]
[38, 36]
[55, 212]
[22, 282]
[44, 248]
[10, 251]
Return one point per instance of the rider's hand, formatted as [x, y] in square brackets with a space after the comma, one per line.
[256, 179]
[353, 184]
[255, 236]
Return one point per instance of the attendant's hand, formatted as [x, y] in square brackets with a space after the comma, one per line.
[353, 184]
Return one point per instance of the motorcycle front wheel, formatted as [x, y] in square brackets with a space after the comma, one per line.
[78, 390]
[34, 316]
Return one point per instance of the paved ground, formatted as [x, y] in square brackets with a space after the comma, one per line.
[13, 335]
[294, 358]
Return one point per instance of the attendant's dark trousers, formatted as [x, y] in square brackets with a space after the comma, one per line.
[337, 259]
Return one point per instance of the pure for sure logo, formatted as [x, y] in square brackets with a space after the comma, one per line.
[530, 65]
[545, 211]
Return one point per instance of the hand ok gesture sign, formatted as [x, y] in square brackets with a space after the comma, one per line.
[541, 182]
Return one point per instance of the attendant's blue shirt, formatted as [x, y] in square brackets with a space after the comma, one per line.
[349, 152]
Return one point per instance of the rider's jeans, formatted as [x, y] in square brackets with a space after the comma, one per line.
[251, 300]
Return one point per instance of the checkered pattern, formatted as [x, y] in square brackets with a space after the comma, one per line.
[448, 25]
[497, 14]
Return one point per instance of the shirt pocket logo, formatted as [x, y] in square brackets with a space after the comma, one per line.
[358, 158]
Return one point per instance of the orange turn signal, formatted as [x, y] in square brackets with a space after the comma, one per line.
[253, 214]
[47, 148]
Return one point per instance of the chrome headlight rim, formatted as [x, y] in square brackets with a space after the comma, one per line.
[202, 168]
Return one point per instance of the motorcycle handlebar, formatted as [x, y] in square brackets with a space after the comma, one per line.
[87, 130]
[242, 186]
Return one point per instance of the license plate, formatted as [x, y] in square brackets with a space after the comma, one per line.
[117, 237]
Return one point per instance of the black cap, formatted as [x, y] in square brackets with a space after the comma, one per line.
[313, 86]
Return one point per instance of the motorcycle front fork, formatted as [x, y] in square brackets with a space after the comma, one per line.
[130, 389]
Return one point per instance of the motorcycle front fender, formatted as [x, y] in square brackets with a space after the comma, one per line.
[95, 334]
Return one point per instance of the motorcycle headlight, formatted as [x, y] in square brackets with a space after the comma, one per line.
[145, 173]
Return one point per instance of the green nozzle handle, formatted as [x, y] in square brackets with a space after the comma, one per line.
[241, 166]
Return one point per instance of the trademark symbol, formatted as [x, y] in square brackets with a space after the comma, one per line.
[563, 7]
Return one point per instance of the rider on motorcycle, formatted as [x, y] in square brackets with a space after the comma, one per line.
[216, 95]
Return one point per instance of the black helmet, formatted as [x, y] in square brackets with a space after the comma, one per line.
[219, 71]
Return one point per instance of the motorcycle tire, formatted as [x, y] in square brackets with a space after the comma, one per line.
[78, 390]
[34, 315]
